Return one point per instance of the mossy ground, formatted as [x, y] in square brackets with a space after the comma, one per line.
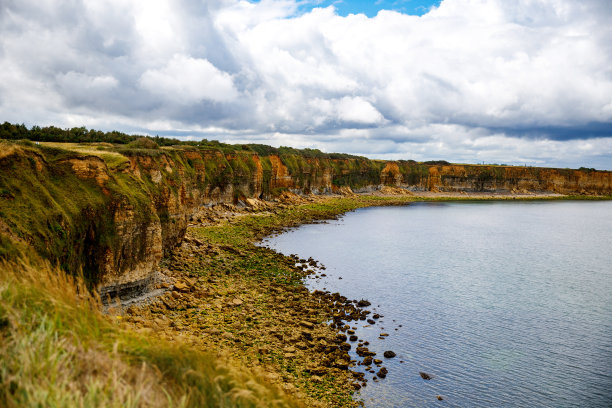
[250, 301]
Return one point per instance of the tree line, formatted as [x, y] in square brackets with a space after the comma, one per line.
[83, 135]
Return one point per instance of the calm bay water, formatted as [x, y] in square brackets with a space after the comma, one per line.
[504, 304]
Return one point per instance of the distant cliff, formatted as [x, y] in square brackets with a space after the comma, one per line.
[115, 210]
[489, 178]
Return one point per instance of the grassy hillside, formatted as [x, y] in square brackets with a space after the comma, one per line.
[57, 349]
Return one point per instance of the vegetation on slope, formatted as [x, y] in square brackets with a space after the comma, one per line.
[57, 349]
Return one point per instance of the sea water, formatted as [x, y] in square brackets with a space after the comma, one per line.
[504, 304]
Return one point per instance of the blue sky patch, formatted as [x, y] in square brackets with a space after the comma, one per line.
[372, 7]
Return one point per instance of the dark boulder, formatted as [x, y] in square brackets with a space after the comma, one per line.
[382, 373]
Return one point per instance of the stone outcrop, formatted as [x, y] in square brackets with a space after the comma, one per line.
[115, 215]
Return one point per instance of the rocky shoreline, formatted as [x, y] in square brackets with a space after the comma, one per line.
[222, 292]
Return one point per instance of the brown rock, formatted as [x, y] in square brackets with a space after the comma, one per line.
[364, 351]
[382, 373]
[307, 324]
[317, 370]
[181, 287]
[341, 364]
[344, 346]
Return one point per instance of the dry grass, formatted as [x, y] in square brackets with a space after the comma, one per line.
[112, 159]
[58, 350]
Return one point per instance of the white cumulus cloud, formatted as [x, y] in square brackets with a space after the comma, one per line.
[187, 80]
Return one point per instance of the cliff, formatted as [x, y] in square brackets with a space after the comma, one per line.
[113, 211]
[492, 178]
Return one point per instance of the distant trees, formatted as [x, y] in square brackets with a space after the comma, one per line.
[83, 135]
[55, 134]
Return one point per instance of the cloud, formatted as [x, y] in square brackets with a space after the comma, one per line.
[528, 80]
[357, 110]
[186, 80]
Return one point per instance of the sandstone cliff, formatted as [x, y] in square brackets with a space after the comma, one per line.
[487, 178]
[114, 211]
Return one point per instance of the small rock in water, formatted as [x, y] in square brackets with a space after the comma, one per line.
[439, 397]
[363, 303]
[389, 354]
[424, 376]
[382, 373]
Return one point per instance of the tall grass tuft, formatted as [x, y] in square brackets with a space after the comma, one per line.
[58, 350]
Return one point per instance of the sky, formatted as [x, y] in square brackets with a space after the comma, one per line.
[522, 82]
[372, 7]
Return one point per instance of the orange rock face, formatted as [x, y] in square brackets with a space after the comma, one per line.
[280, 174]
[90, 167]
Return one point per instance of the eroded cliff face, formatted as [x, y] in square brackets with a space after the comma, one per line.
[115, 214]
[472, 178]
